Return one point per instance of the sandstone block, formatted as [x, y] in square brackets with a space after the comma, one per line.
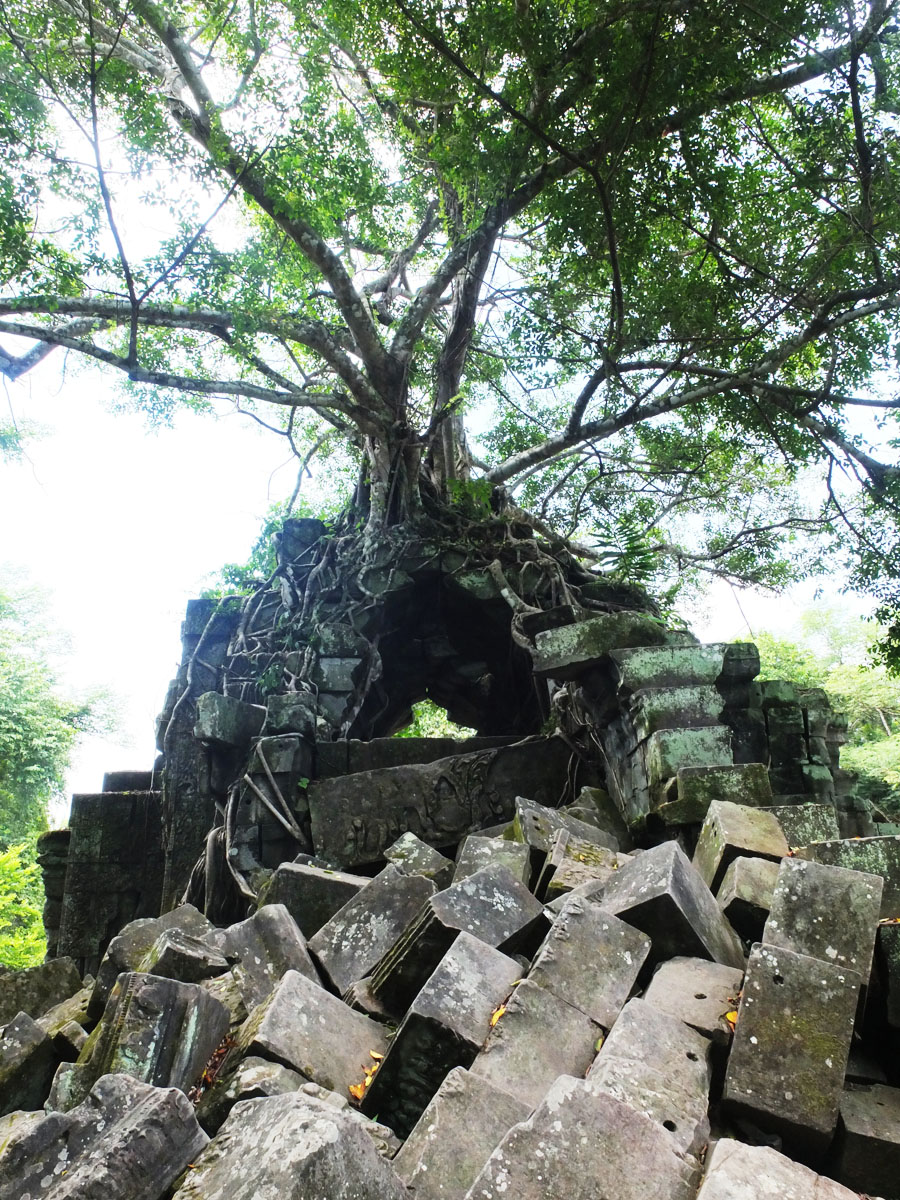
[312, 895]
[34, 990]
[745, 895]
[265, 946]
[28, 1060]
[697, 992]
[733, 831]
[738, 1172]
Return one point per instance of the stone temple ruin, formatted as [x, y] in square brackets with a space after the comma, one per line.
[635, 940]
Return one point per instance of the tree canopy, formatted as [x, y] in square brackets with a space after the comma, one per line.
[634, 261]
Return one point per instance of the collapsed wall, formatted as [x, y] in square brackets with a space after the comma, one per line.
[634, 939]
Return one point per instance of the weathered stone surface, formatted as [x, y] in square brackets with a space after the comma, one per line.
[805, 823]
[34, 990]
[67, 1011]
[733, 831]
[415, 857]
[293, 1147]
[887, 957]
[157, 1030]
[227, 721]
[250, 1079]
[305, 1028]
[874, 855]
[455, 1135]
[27, 1062]
[738, 1172]
[536, 826]
[126, 1140]
[604, 814]
[293, 712]
[590, 959]
[353, 941]
[538, 1038]
[654, 666]
[868, 1145]
[660, 893]
[491, 905]
[825, 912]
[790, 1046]
[659, 1066]
[352, 756]
[177, 955]
[312, 895]
[671, 750]
[572, 863]
[444, 1028]
[355, 818]
[582, 1145]
[745, 895]
[694, 707]
[697, 992]
[697, 787]
[567, 652]
[226, 989]
[265, 946]
[478, 852]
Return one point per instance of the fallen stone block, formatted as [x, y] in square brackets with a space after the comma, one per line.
[34, 990]
[312, 895]
[265, 946]
[227, 721]
[160, 1031]
[695, 788]
[491, 905]
[454, 1137]
[745, 895]
[660, 893]
[536, 825]
[250, 1079]
[307, 1029]
[873, 855]
[353, 941]
[126, 1140]
[671, 750]
[294, 1147]
[805, 823]
[28, 1060]
[697, 992]
[825, 912]
[582, 1145]
[887, 958]
[415, 857]
[659, 1066]
[177, 955]
[567, 652]
[537, 1038]
[733, 831]
[444, 1028]
[572, 862]
[867, 1153]
[603, 813]
[477, 852]
[790, 1047]
[739, 1172]
[226, 989]
[590, 959]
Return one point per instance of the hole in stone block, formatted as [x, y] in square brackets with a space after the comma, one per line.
[670, 1125]
[692, 1056]
[699, 995]
[778, 979]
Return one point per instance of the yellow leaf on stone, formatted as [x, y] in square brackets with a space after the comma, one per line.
[497, 1014]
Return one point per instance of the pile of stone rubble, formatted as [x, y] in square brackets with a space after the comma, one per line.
[550, 1014]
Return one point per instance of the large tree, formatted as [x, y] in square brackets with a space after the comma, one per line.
[657, 241]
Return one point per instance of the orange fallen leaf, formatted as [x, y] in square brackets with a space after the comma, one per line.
[374, 1054]
[357, 1090]
[497, 1014]
[731, 1018]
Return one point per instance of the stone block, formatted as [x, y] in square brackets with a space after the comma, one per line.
[805, 823]
[294, 1147]
[307, 1029]
[745, 895]
[159, 1031]
[887, 957]
[790, 1047]
[251, 1079]
[874, 855]
[671, 750]
[582, 1145]
[591, 960]
[415, 857]
[697, 992]
[125, 1140]
[454, 1137]
[659, 1066]
[569, 651]
[28, 1060]
[733, 831]
[227, 721]
[352, 756]
[265, 946]
[353, 941]
[660, 893]
[491, 905]
[34, 990]
[477, 852]
[697, 787]
[667, 666]
[444, 1028]
[825, 912]
[292, 712]
[312, 895]
[735, 1171]
[605, 814]
[867, 1155]
[177, 955]
[537, 1038]
[536, 826]
[572, 862]
[693, 707]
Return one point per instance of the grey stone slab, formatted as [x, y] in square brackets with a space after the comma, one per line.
[590, 959]
[697, 992]
[312, 895]
[887, 957]
[874, 855]
[293, 1147]
[454, 1137]
[697, 787]
[567, 652]
[444, 1028]
[227, 990]
[745, 895]
[227, 721]
[477, 852]
[34, 990]
[605, 814]
[790, 1047]
[491, 905]
[353, 941]
[177, 955]
[307, 1029]
[660, 893]
[28, 1060]
[537, 1038]
[160, 1031]
[584, 1145]
[294, 712]
[868, 1144]
[733, 831]
[686, 706]
[265, 946]
[572, 862]
[825, 912]
[671, 750]
[805, 823]
[660, 1066]
[251, 1079]
[735, 1171]
[668, 666]
[536, 825]
[415, 857]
